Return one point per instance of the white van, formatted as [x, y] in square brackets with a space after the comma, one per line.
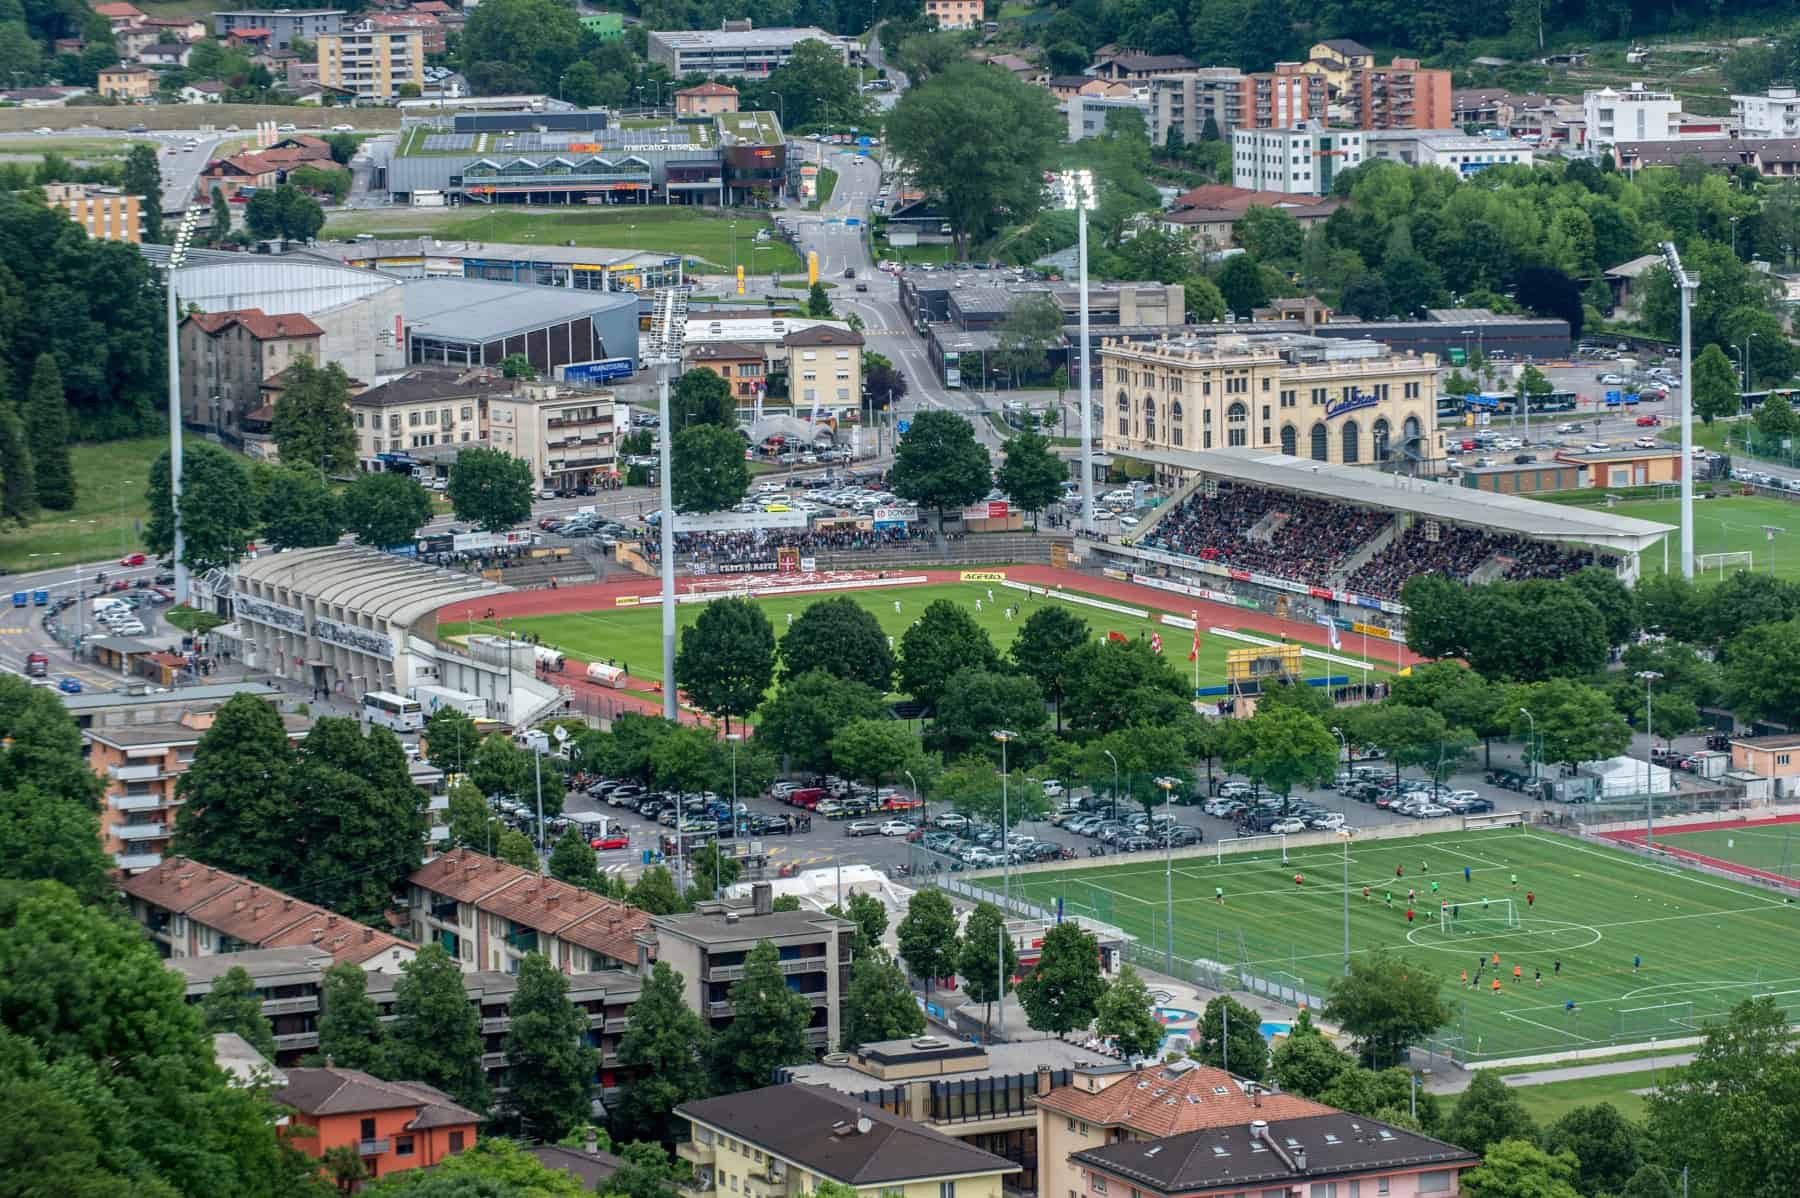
[107, 603]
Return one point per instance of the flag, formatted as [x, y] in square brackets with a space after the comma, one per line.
[1194, 653]
[1332, 628]
[1117, 636]
[1156, 642]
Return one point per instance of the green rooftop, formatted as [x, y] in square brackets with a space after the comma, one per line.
[756, 128]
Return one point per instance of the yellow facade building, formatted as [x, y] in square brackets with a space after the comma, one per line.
[105, 214]
[371, 60]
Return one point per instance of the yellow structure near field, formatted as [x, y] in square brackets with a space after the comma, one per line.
[1263, 661]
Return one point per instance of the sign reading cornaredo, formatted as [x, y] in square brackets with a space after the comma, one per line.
[984, 575]
[1354, 401]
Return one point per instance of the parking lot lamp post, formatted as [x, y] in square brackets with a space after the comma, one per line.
[1344, 835]
[1169, 871]
[918, 798]
[1004, 737]
[179, 548]
[718, 854]
[1689, 283]
[1649, 677]
[1534, 752]
[1113, 811]
[537, 760]
[1343, 748]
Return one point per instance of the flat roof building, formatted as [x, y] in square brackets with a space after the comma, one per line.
[565, 433]
[284, 24]
[288, 980]
[462, 322]
[737, 48]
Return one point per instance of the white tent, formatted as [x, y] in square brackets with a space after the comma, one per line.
[1622, 777]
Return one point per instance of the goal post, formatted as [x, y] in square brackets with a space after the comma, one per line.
[1740, 559]
[1251, 847]
[1475, 918]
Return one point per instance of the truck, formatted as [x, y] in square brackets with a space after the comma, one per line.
[808, 797]
[37, 665]
[434, 697]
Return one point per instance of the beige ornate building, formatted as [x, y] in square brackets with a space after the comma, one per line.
[1349, 402]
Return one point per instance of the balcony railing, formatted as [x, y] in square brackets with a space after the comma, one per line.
[135, 802]
[724, 973]
[132, 862]
[438, 834]
[523, 940]
[695, 1151]
[296, 1040]
[617, 1025]
[134, 773]
[719, 1008]
[495, 1025]
[805, 964]
[493, 1060]
[444, 911]
[131, 833]
[372, 1147]
[290, 1006]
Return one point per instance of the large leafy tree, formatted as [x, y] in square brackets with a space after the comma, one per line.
[767, 1028]
[47, 421]
[1024, 339]
[727, 658]
[44, 835]
[811, 708]
[1757, 678]
[18, 477]
[944, 639]
[237, 794]
[1231, 1038]
[939, 464]
[142, 176]
[551, 1065]
[501, 767]
[839, 637]
[664, 1046]
[1032, 475]
[1282, 747]
[1114, 684]
[350, 1027]
[1514, 1168]
[283, 212]
[978, 141]
[976, 702]
[988, 959]
[491, 488]
[926, 936]
[1386, 1005]
[1062, 994]
[436, 1035]
[574, 861]
[1575, 722]
[218, 507]
[539, 37]
[312, 418]
[879, 1004]
[701, 397]
[357, 811]
[233, 1005]
[1487, 1112]
[876, 750]
[708, 472]
[1608, 1147]
[1715, 385]
[450, 738]
[1045, 647]
[1306, 1063]
[299, 510]
[1126, 1015]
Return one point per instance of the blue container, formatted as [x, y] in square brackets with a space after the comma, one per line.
[21, 598]
[40, 598]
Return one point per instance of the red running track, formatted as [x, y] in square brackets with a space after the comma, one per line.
[1636, 837]
[604, 596]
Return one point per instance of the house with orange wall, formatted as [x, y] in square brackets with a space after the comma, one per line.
[392, 1126]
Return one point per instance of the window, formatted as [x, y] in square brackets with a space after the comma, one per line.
[403, 1146]
[1318, 396]
[1352, 437]
[412, 420]
[367, 1130]
[1321, 443]
[1782, 758]
[1289, 440]
[1236, 417]
[1265, 411]
[468, 412]
[1436, 1183]
[1381, 1187]
[456, 1141]
[946, 1189]
[1412, 391]
[1096, 1183]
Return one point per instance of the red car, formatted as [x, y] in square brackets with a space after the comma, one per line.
[611, 842]
[1649, 421]
[133, 559]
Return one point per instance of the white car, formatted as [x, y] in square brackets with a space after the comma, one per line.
[1645, 443]
[1568, 428]
[949, 821]
[343, 128]
[1612, 380]
[1289, 825]
[1598, 447]
[896, 827]
[1053, 789]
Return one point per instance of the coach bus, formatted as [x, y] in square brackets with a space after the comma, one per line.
[393, 711]
[1503, 403]
[1749, 401]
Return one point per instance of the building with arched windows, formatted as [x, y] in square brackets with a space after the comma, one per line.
[1343, 402]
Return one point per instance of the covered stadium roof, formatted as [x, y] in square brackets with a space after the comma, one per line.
[386, 586]
[1448, 502]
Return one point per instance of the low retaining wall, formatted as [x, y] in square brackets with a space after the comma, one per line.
[1747, 815]
[120, 117]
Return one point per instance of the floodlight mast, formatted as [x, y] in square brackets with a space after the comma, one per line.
[1078, 189]
[1688, 283]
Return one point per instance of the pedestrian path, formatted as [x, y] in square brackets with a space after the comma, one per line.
[1457, 1080]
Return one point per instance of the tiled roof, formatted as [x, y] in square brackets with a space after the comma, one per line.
[258, 324]
[611, 930]
[823, 334]
[253, 913]
[1346, 46]
[331, 1091]
[179, 885]
[344, 939]
[554, 908]
[1157, 1102]
[1223, 195]
[708, 88]
[465, 876]
[712, 351]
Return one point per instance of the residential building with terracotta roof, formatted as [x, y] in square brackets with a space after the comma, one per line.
[235, 172]
[1144, 66]
[740, 365]
[706, 99]
[127, 83]
[825, 365]
[195, 910]
[225, 356]
[285, 25]
[289, 982]
[1109, 1102]
[119, 15]
[391, 1126]
[955, 14]
[488, 914]
[104, 213]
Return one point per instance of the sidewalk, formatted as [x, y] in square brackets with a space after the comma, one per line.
[1456, 1081]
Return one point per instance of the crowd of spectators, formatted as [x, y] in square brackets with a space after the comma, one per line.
[1310, 539]
[1456, 552]
[1543, 559]
[751, 545]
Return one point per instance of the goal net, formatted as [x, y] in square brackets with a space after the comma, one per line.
[1473, 919]
[1737, 560]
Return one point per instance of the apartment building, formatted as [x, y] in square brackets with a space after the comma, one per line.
[955, 14]
[736, 48]
[426, 406]
[372, 61]
[825, 365]
[195, 910]
[128, 83]
[1133, 65]
[1401, 95]
[289, 982]
[285, 25]
[105, 213]
[139, 766]
[707, 948]
[1336, 60]
[738, 364]
[1305, 160]
[488, 914]
[1232, 100]
[392, 1127]
[566, 433]
[431, 30]
[1774, 114]
[225, 356]
[1346, 402]
[783, 1141]
[706, 99]
[1636, 114]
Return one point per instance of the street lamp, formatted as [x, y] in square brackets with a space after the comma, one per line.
[177, 251]
[917, 797]
[718, 861]
[1167, 786]
[1078, 187]
[1005, 738]
[667, 338]
[1113, 812]
[1744, 358]
[1344, 750]
[1689, 283]
[1534, 751]
[1649, 677]
[1344, 835]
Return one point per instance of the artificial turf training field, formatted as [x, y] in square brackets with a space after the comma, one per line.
[633, 635]
[1732, 524]
[1706, 943]
[1773, 847]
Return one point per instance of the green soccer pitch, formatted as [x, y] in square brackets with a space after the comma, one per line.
[633, 635]
[1771, 847]
[1732, 524]
[1705, 943]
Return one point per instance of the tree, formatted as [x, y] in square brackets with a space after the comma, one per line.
[573, 861]
[1575, 722]
[708, 472]
[1518, 1168]
[1533, 629]
[1437, 615]
[350, 1027]
[1030, 329]
[299, 511]
[1240, 280]
[939, 464]
[435, 1037]
[386, 509]
[1715, 385]
[218, 511]
[141, 175]
[18, 479]
[47, 836]
[312, 418]
[944, 639]
[450, 738]
[727, 658]
[1062, 994]
[551, 1065]
[806, 715]
[501, 767]
[1306, 1063]
[517, 366]
[655, 892]
[233, 1005]
[883, 382]
[1116, 684]
[359, 818]
[767, 1028]
[1032, 475]
[875, 750]
[975, 702]
[1607, 1147]
[236, 795]
[979, 141]
[491, 488]
[1366, 297]
[47, 418]
[879, 1004]
[1756, 685]
[926, 937]
[1651, 1181]
[664, 1047]
[818, 302]
[1282, 747]
[1385, 1005]
[1487, 1113]
[493, 1167]
[1547, 291]
[701, 397]
[1611, 598]
[839, 637]
[987, 960]
[1044, 648]
[1774, 419]
[284, 212]
[1231, 1038]
[515, 848]
[540, 37]
[1125, 1014]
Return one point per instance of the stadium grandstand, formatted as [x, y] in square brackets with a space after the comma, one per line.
[1356, 536]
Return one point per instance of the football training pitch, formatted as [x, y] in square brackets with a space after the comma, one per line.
[1705, 943]
[1732, 524]
[632, 635]
[1766, 847]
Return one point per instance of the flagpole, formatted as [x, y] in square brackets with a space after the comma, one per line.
[1195, 653]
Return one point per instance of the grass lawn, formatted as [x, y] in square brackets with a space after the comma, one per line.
[1706, 943]
[916, 255]
[72, 147]
[827, 184]
[1732, 524]
[1551, 1101]
[190, 620]
[108, 516]
[1715, 436]
[634, 635]
[659, 229]
[1766, 846]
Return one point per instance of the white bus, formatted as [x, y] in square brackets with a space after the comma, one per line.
[393, 711]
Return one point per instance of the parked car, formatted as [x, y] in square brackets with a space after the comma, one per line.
[617, 840]
[1288, 825]
[949, 821]
[133, 559]
[1137, 843]
[896, 827]
[861, 827]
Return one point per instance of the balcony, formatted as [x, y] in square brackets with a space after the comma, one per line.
[724, 973]
[716, 1009]
[695, 1151]
[438, 803]
[135, 802]
[297, 1040]
[818, 1037]
[372, 1147]
[805, 964]
[493, 1060]
[617, 1025]
[137, 862]
[132, 833]
[438, 834]
[522, 940]
[444, 911]
[496, 1025]
[134, 773]
[290, 1006]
